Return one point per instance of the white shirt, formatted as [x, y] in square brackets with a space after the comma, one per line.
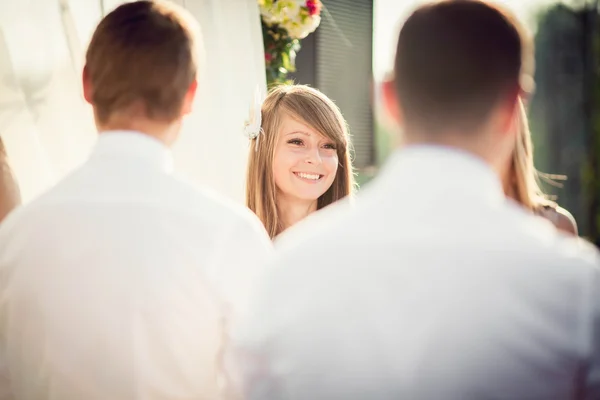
[432, 286]
[114, 284]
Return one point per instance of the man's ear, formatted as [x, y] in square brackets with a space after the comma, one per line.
[511, 115]
[190, 95]
[390, 101]
[87, 85]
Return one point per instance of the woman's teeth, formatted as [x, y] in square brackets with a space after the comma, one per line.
[313, 177]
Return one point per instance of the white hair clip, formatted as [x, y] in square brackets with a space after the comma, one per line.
[252, 126]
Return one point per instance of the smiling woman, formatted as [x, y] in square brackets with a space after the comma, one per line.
[302, 163]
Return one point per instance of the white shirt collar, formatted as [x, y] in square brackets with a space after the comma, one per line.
[135, 145]
[443, 169]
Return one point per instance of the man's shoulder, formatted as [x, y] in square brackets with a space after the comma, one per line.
[320, 226]
[540, 252]
[361, 227]
[29, 217]
[12, 219]
[206, 202]
[201, 206]
[575, 251]
[229, 220]
[540, 235]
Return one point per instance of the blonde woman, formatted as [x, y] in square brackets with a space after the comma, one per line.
[521, 182]
[301, 162]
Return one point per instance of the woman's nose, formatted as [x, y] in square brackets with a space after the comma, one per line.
[313, 157]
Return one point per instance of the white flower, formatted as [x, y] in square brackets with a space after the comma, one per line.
[290, 10]
[313, 23]
[269, 12]
[291, 15]
[280, 11]
[298, 30]
[295, 30]
[270, 18]
[252, 126]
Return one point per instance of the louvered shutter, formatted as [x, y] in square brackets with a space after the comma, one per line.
[337, 59]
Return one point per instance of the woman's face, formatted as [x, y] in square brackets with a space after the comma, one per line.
[305, 162]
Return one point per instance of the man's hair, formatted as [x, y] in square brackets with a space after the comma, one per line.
[455, 61]
[142, 60]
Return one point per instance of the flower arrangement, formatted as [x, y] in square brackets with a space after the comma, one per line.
[284, 24]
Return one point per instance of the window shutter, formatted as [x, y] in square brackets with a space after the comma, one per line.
[337, 59]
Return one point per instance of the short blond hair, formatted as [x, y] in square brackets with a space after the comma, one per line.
[316, 110]
[142, 59]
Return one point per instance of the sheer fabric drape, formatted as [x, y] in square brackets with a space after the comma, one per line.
[48, 129]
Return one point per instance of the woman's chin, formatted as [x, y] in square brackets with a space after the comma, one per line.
[305, 196]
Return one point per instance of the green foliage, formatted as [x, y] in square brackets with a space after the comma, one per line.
[280, 54]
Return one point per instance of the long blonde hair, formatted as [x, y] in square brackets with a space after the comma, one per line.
[316, 110]
[525, 184]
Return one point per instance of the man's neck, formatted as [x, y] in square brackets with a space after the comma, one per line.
[477, 144]
[164, 132]
[293, 211]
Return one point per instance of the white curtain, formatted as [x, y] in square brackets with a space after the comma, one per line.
[47, 127]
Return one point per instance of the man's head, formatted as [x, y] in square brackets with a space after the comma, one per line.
[141, 64]
[460, 67]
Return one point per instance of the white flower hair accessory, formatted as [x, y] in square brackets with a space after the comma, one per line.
[252, 126]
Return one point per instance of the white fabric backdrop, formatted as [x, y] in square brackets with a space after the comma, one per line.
[48, 128]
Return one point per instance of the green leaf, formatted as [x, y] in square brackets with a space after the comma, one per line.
[285, 57]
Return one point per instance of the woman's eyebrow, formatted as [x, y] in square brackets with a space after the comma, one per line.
[301, 132]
